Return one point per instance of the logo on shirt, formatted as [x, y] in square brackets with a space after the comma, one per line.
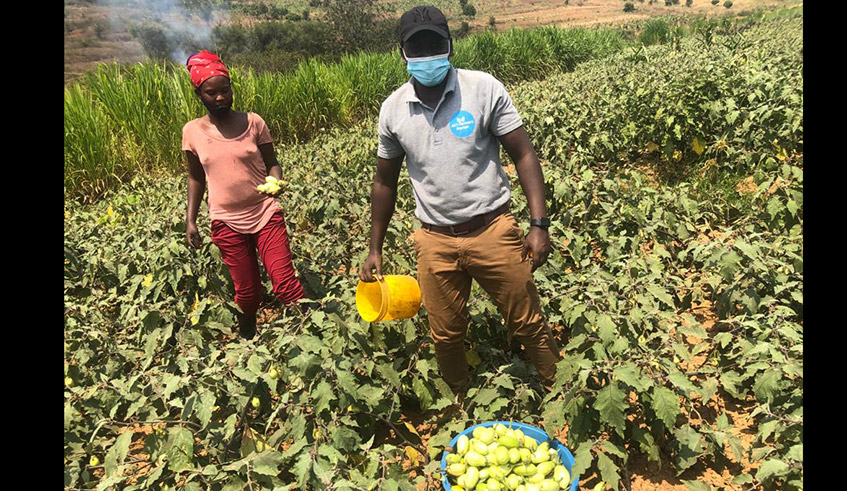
[462, 124]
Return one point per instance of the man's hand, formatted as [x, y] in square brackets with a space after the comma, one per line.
[374, 261]
[537, 246]
[192, 235]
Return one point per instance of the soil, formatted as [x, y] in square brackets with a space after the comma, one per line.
[583, 13]
[746, 185]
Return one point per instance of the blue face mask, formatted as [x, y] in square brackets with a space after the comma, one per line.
[429, 70]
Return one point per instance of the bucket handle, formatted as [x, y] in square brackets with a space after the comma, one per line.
[386, 299]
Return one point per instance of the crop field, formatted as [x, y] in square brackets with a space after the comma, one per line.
[123, 120]
[674, 176]
[98, 31]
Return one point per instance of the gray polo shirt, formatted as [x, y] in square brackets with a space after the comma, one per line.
[452, 151]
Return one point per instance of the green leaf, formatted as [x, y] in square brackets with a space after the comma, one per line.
[795, 453]
[611, 405]
[608, 470]
[322, 469]
[583, 458]
[630, 374]
[109, 482]
[722, 423]
[70, 416]
[682, 382]
[254, 364]
[266, 463]
[422, 391]
[646, 443]
[248, 443]
[345, 439]
[691, 447]
[331, 453]
[606, 329]
[295, 448]
[423, 367]
[323, 394]
[771, 468]
[372, 395]
[205, 408]
[665, 403]
[616, 450]
[767, 385]
[485, 396]
[736, 447]
[660, 293]
[301, 468]
[774, 207]
[732, 383]
[766, 429]
[180, 450]
[746, 249]
[697, 486]
[245, 374]
[693, 330]
[388, 372]
[729, 265]
[554, 416]
[743, 479]
[708, 389]
[116, 455]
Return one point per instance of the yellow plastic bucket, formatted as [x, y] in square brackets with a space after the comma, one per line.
[393, 297]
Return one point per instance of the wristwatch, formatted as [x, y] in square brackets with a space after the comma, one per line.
[542, 222]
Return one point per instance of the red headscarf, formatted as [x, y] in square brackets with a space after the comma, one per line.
[203, 66]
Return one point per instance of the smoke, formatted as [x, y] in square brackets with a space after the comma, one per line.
[168, 28]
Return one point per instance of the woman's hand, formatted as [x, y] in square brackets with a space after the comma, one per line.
[192, 235]
[271, 187]
[272, 194]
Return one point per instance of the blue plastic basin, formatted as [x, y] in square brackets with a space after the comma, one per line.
[537, 434]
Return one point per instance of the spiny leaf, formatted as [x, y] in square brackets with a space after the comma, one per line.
[666, 405]
[697, 486]
[181, 450]
[661, 294]
[116, 455]
[301, 468]
[771, 468]
[611, 406]
[767, 384]
[608, 470]
[583, 458]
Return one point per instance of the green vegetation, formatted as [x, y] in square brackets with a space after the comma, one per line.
[120, 121]
[655, 31]
[675, 185]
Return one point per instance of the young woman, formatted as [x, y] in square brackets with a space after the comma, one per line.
[233, 152]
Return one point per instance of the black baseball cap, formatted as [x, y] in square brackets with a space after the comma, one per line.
[422, 18]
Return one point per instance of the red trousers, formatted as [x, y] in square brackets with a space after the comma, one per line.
[238, 251]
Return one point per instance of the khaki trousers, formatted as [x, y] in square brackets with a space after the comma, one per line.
[491, 256]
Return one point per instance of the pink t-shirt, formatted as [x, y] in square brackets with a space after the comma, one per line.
[234, 167]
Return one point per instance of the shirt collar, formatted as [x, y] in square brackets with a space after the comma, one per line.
[452, 75]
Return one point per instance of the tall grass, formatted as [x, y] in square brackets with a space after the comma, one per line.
[121, 120]
[655, 31]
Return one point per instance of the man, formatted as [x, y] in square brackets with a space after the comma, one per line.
[447, 124]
